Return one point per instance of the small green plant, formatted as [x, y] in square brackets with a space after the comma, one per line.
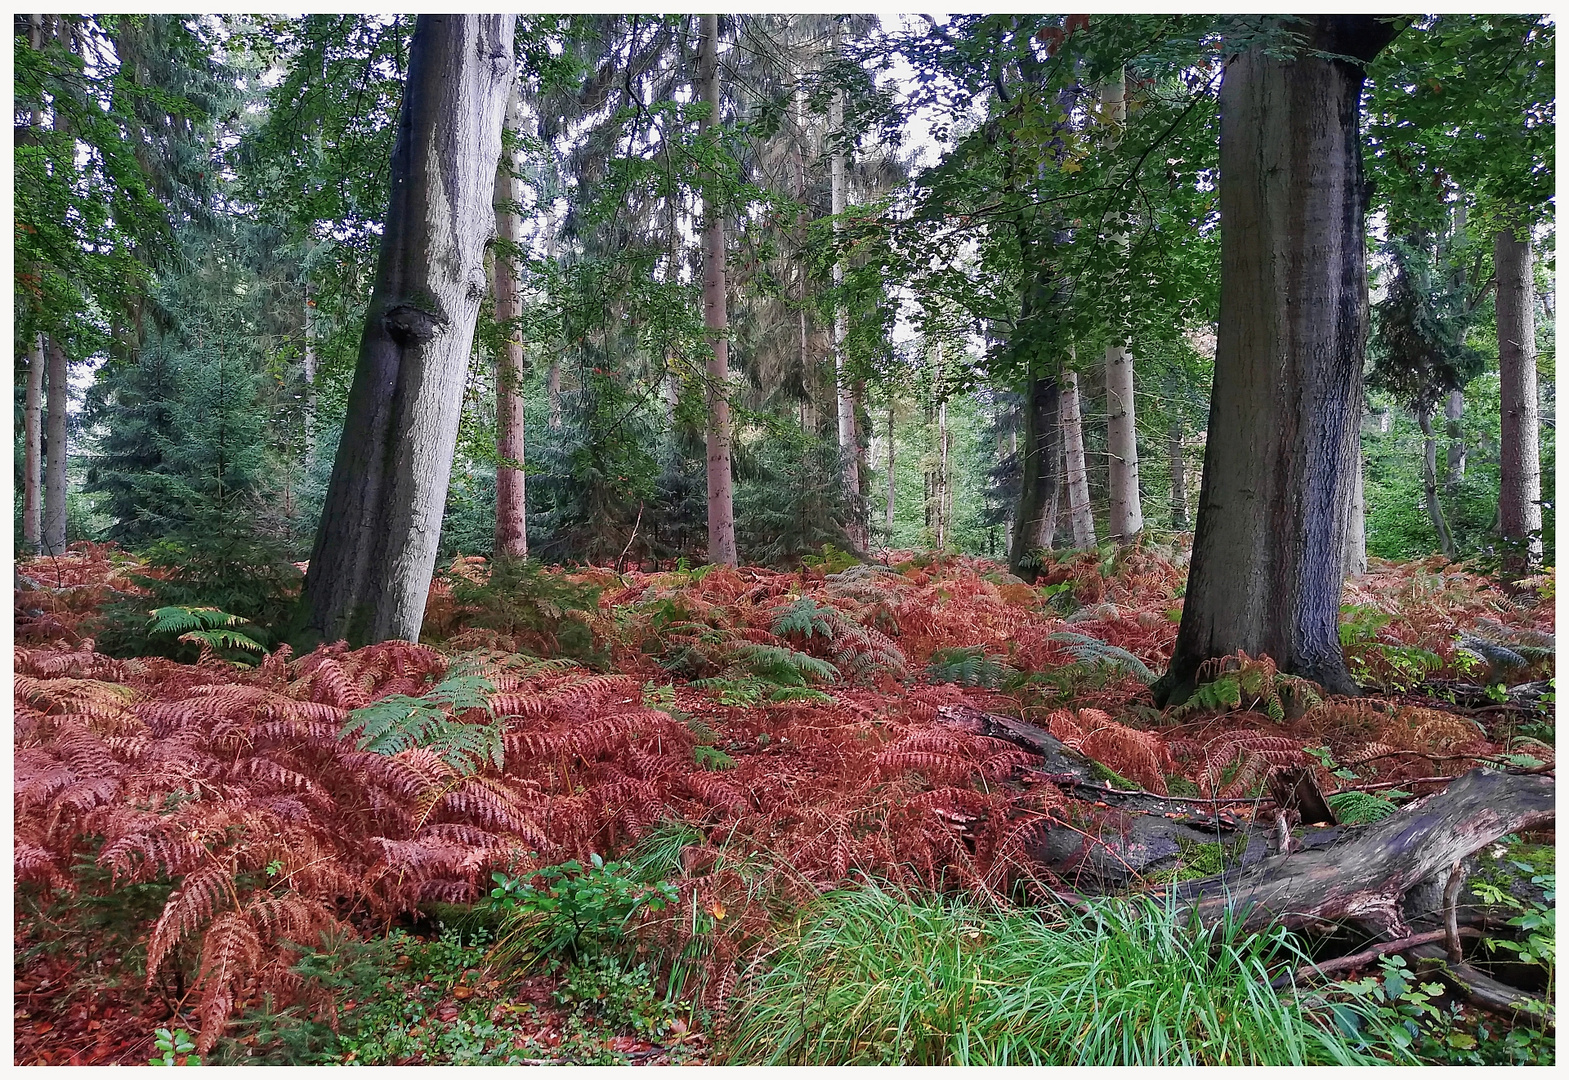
[398, 722]
[803, 618]
[208, 626]
[1363, 807]
[1092, 650]
[712, 758]
[831, 560]
[544, 611]
[175, 1047]
[571, 908]
[967, 666]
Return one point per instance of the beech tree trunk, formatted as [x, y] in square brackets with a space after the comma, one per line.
[375, 548]
[1435, 511]
[1520, 466]
[1279, 468]
[1041, 452]
[1454, 455]
[891, 474]
[32, 454]
[59, 394]
[1081, 519]
[511, 504]
[721, 506]
[846, 394]
[1122, 448]
[1179, 464]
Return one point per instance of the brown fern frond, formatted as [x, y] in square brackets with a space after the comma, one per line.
[197, 899]
[32, 862]
[230, 951]
[1255, 767]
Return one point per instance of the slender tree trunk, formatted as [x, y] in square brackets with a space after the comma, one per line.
[1279, 467]
[1356, 528]
[375, 548]
[721, 511]
[1122, 448]
[553, 372]
[846, 394]
[942, 475]
[59, 394]
[892, 488]
[309, 365]
[32, 455]
[1454, 457]
[1179, 461]
[1081, 520]
[1435, 511]
[511, 501]
[1520, 468]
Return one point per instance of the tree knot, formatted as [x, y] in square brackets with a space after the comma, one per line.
[408, 325]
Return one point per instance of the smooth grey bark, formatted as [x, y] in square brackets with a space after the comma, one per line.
[511, 501]
[59, 394]
[1520, 465]
[1454, 455]
[721, 504]
[1126, 519]
[1177, 454]
[32, 454]
[1279, 468]
[1435, 510]
[1081, 520]
[892, 489]
[375, 549]
[1356, 527]
[848, 450]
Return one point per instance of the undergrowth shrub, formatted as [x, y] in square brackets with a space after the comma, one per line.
[876, 977]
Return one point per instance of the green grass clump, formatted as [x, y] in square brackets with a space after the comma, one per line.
[870, 977]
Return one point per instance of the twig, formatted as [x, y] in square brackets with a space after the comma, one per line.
[631, 539]
[1451, 920]
[1346, 963]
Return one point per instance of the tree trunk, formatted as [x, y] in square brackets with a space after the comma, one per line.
[846, 395]
[59, 394]
[892, 490]
[721, 510]
[309, 365]
[1279, 468]
[1122, 448]
[1519, 468]
[1446, 542]
[1356, 527]
[511, 504]
[32, 454]
[553, 372]
[1179, 472]
[1454, 457]
[1042, 451]
[1080, 517]
[375, 548]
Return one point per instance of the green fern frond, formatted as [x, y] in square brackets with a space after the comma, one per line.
[1361, 807]
[1224, 694]
[1093, 650]
[223, 639]
[804, 617]
[707, 757]
[784, 666]
[967, 666]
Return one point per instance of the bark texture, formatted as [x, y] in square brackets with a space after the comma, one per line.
[511, 504]
[721, 503]
[375, 548]
[1041, 452]
[1080, 518]
[33, 440]
[1122, 448]
[1279, 467]
[1454, 455]
[1520, 464]
[59, 394]
[846, 395]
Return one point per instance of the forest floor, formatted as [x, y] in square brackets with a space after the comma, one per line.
[280, 843]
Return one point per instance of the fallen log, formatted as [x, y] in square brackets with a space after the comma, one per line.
[1363, 878]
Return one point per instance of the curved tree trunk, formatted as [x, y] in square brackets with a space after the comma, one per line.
[59, 394]
[721, 505]
[511, 504]
[1520, 465]
[1454, 455]
[32, 454]
[1080, 517]
[1279, 467]
[375, 548]
[1435, 510]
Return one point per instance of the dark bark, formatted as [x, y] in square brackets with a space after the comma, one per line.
[59, 394]
[1040, 453]
[1269, 546]
[375, 547]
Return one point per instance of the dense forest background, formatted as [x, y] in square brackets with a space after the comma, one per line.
[204, 260]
